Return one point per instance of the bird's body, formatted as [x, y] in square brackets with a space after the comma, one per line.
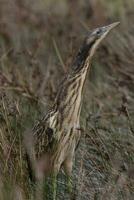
[57, 134]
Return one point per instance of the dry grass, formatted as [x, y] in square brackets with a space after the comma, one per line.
[37, 45]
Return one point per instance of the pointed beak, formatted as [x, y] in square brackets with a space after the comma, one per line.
[111, 26]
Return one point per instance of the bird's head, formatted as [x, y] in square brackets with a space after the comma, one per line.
[90, 44]
[95, 37]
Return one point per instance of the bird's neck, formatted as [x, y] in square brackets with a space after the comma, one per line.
[83, 57]
[69, 97]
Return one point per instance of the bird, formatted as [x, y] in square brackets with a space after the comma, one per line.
[57, 134]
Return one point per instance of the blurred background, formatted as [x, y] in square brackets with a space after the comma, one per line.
[38, 42]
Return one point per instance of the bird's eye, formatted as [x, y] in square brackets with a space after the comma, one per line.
[98, 32]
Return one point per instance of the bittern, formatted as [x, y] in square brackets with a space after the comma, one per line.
[57, 134]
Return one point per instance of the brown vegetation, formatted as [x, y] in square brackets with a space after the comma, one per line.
[38, 41]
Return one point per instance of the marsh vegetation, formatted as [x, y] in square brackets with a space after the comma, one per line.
[38, 41]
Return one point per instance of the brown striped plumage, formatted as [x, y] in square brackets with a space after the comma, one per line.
[57, 134]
